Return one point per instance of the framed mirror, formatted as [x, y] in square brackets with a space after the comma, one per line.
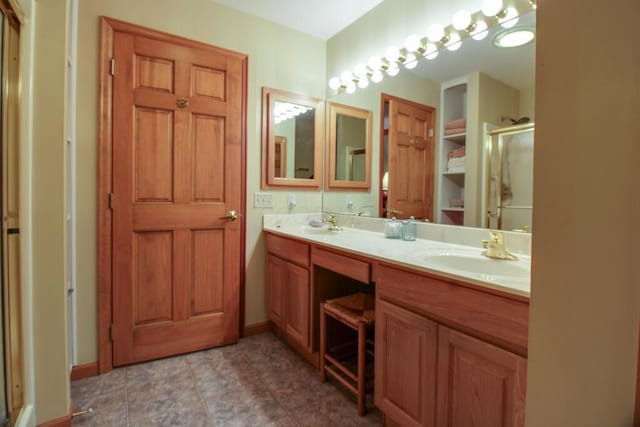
[291, 140]
[348, 148]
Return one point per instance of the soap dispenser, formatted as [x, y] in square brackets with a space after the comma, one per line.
[392, 229]
[409, 229]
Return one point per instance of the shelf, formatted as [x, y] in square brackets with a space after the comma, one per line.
[454, 173]
[459, 137]
[452, 209]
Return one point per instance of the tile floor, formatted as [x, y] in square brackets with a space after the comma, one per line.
[258, 382]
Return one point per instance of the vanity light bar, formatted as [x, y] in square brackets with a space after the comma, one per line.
[464, 26]
[285, 110]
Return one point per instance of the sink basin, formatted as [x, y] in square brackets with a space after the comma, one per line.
[318, 231]
[475, 263]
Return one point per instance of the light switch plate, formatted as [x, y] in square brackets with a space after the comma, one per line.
[262, 200]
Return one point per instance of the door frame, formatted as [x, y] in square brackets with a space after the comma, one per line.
[108, 28]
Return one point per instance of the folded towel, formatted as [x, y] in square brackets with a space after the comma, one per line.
[459, 152]
[454, 131]
[454, 124]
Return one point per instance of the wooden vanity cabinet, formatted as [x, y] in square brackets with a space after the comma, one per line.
[447, 355]
[288, 289]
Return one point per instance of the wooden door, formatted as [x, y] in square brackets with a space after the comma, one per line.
[478, 384]
[297, 304]
[277, 284]
[405, 372]
[177, 155]
[411, 160]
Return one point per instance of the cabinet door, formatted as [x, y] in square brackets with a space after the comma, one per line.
[405, 373]
[479, 384]
[297, 304]
[276, 285]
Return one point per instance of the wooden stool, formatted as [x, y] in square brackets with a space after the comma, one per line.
[356, 311]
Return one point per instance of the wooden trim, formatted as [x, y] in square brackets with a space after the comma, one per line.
[105, 163]
[105, 350]
[84, 371]
[268, 180]
[64, 421]
[383, 101]
[257, 328]
[333, 109]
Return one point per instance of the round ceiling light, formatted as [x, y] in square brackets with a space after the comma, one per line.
[514, 37]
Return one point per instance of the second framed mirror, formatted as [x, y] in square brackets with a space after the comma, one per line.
[348, 156]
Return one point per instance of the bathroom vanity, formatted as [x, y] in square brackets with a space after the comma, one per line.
[451, 325]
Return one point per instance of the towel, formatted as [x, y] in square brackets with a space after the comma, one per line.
[454, 131]
[458, 152]
[455, 124]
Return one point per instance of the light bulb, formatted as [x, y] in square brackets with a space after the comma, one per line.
[375, 63]
[412, 43]
[377, 76]
[360, 71]
[392, 54]
[435, 33]
[335, 83]
[346, 77]
[510, 18]
[411, 61]
[431, 51]
[461, 20]
[491, 7]
[481, 31]
[393, 69]
[454, 42]
[351, 87]
[363, 83]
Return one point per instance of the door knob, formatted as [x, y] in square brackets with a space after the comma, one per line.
[230, 216]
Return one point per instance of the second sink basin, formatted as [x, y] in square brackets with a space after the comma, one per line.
[474, 262]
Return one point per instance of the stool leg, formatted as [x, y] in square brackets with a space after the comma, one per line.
[323, 344]
[362, 361]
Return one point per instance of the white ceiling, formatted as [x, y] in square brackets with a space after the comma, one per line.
[320, 18]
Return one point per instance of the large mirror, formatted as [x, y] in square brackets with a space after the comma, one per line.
[479, 88]
[291, 140]
[348, 164]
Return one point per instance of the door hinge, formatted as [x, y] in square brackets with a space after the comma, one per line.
[111, 200]
[113, 66]
[111, 327]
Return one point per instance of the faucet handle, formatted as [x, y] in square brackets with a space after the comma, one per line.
[485, 244]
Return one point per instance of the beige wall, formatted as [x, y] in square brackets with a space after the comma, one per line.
[49, 292]
[527, 103]
[585, 301]
[278, 58]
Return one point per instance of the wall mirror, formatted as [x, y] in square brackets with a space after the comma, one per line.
[292, 129]
[348, 156]
[483, 84]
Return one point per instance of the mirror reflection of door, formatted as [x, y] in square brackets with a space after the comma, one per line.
[280, 157]
[357, 164]
[410, 163]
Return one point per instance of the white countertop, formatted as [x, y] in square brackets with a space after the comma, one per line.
[425, 255]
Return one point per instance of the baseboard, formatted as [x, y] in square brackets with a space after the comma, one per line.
[84, 371]
[64, 421]
[257, 328]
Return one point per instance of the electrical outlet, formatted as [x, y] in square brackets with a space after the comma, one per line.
[262, 200]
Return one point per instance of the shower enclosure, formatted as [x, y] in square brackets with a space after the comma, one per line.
[510, 178]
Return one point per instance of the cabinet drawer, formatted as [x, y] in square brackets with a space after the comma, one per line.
[347, 266]
[490, 317]
[295, 252]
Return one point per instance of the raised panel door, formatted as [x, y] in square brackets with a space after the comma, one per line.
[297, 304]
[411, 160]
[177, 156]
[276, 286]
[479, 384]
[405, 365]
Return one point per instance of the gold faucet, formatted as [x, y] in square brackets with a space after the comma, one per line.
[333, 222]
[495, 247]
